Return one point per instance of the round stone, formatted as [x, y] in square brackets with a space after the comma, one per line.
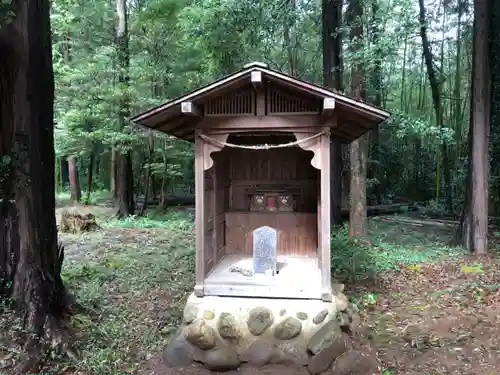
[190, 313]
[342, 301]
[259, 319]
[200, 335]
[228, 327]
[302, 315]
[221, 359]
[208, 315]
[288, 329]
[320, 317]
[324, 337]
[179, 352]
[282, 312]
[258, 354]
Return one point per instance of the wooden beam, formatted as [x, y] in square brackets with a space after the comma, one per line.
[190, 109]
[256, 78]
[199, 179]
[328, 107]
[324, 220]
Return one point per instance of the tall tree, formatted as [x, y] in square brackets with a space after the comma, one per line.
[30, 258]
[437, 104]
[332, 77]
[473, 228]
[359, 148]
[124, 179]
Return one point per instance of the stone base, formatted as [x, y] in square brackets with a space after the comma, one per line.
[224, 332]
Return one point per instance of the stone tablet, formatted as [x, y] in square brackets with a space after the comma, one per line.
[264, 250]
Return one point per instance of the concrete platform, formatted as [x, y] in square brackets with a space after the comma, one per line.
[297, 277]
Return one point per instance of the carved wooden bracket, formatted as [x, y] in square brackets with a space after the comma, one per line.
[208, 148]
[313, 145]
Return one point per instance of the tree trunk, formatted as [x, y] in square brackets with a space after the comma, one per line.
[436, 100]
[30, 258]
[473, 228]
[74, 181]
[376, 99]
[332, 78]
[148, 175]
[113, 173]
[90, 174]
[124, 172]
[359, 148]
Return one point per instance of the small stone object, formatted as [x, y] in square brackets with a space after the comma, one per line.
[354, 362]
[221, 359]
[282, 312]
[179, 352]
[208, 315]
[320, 317]
[259, 319]
[200, 335]
[259, 353]
[324, 337]
[190, 313]
[302, 315]
[294, 351]
[342, 301]
[243, 271]
[288, 329]
[338, 288]
[343, 319]
[228, 327]
[264, 250]
[326, 356]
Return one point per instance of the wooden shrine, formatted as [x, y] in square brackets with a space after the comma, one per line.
[262, 160]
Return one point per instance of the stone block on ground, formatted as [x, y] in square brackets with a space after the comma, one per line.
[221, 359]
[180, 353]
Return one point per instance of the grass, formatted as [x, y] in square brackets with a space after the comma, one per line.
[356, 262]
[96, 197]
[133, 295]
[141, 269]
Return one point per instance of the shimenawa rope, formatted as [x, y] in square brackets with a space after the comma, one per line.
[261, 147]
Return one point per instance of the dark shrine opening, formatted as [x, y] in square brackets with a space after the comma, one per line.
[261, 185]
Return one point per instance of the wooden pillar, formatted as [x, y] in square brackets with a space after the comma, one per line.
[324, 240]
[199, 176]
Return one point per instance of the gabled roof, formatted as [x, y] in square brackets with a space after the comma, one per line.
[355, 117]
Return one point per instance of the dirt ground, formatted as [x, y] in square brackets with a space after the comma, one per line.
[420, 318]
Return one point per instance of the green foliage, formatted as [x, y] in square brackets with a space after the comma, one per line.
[132, 293]
[354, 261]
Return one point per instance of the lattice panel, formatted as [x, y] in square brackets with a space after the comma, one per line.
[281, 102]
[232, 103]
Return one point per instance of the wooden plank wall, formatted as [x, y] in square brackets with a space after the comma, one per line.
[216, 204]
[286, 166]
[297, 232]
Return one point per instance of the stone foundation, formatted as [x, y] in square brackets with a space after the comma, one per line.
[224, 332]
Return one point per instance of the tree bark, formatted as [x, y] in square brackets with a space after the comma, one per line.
[148, 176]
[473, 228]
[30, 258]
[74, 181]
[359, 147]
[436, 100]
[376, 99]
[332, 78]
[124, 172]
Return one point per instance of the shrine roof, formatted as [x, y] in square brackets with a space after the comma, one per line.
[180, 116]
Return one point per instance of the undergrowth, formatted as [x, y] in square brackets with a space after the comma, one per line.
[134, 287]
[354, 261]
[132, 295]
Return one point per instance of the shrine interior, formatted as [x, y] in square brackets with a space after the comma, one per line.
[250, 188]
